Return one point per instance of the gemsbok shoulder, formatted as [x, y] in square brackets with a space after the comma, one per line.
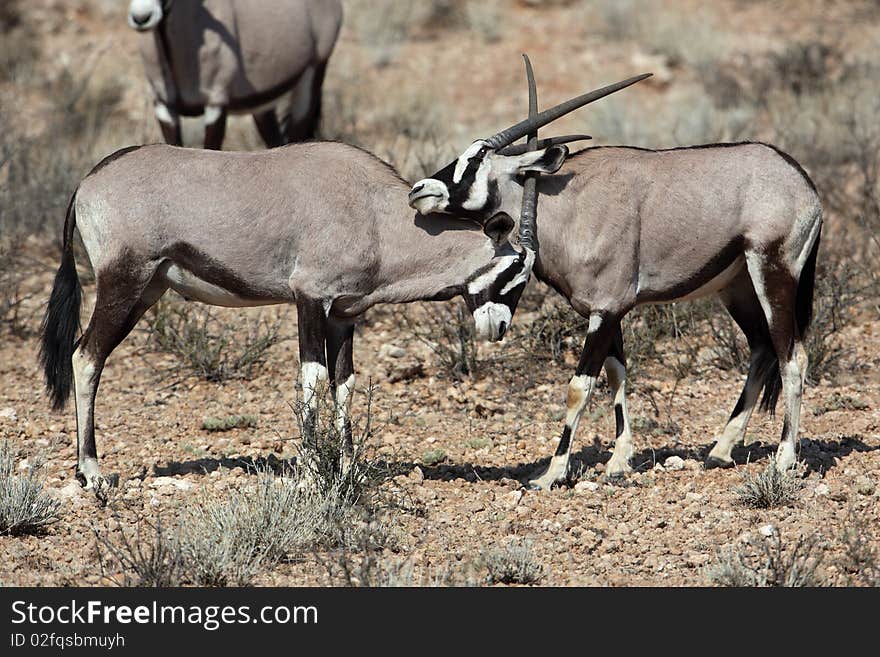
[620, 227]
[323, 225]
[212, 57]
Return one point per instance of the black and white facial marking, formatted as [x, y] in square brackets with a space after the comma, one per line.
[493, 292]
[470, 185]
[144, 15]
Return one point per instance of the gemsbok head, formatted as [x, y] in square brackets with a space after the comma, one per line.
[620, 227]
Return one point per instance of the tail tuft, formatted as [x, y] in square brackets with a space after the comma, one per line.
[61, 322]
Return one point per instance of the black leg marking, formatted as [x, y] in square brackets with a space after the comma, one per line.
[564, 442]
[215, 132]
[618, 420]
[269, 128]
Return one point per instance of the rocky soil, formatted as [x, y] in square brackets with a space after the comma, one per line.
[459, 450]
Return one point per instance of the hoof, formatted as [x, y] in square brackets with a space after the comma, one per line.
[714, 462]
[620, 475]
[538, 485]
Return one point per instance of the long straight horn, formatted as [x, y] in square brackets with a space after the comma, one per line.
[519, 149]
[529, 213]
[521, 129]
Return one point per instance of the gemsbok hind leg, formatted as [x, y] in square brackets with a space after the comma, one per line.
[340, 339]
[615, 367]
[311, 322]
[122, 298]
[744, 307]
[776, 288]
[600, 333]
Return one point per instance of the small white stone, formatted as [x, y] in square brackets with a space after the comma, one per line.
[586, 486]
[24, 465]
[511, 499]
[822, 489]
[159, 482]
[8, 414]
[391, 351]
[767, 531]
[674, 463]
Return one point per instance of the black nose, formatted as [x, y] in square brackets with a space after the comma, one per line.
[141, 19]
[502, 329]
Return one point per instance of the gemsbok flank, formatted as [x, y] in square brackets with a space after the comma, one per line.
[323, 225]
[620, 227]
[211, 57]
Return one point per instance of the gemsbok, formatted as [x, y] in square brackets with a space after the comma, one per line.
[211, 57]
[323, 225]
[620, 227]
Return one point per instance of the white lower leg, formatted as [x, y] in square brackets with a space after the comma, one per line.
[343, 422]
[313, 376]
[619, 464]
[84, 384]
[580, 389]
[735, 430]
[792, 379]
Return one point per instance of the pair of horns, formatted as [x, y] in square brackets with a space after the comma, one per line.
[529, 128]
[539, 120]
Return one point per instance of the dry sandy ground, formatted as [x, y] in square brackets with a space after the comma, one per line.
[659, 527]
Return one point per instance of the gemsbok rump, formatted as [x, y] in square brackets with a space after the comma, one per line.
[211, 57]
[621, 227]
[323, 225]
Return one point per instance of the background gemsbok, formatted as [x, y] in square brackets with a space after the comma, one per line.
[212, 57]
[619, 227]
[323, 225]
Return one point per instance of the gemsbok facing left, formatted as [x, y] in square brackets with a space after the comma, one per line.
[323, 225]
[620, 227]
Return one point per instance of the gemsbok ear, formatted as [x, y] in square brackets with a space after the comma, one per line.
[498, 227]
[550, 161]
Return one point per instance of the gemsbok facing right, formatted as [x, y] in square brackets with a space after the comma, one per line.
[621, 227]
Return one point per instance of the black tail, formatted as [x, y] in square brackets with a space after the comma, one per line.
[806, 284]
[61, 321]
[768, 366]
[769, 375]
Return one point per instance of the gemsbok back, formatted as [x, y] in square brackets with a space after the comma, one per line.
[620, 227]
[212, 57]
[323, 225]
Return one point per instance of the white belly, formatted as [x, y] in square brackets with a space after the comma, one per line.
[190, 286]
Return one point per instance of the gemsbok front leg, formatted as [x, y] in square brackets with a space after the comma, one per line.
[311, 322]
[600, 333]
[215, 127]
[169, 122]
[340, 339]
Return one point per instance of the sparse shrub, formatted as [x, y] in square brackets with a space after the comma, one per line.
[18, 41]
[229, 422]
[556, 331]
[769, 564]
[149, 558]
[448, 330]
[484, 18]
[434, 456]
[840, 402]
[770, 488]
[24, 507]
[211, 348]
[513, 564]
[861, 559]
